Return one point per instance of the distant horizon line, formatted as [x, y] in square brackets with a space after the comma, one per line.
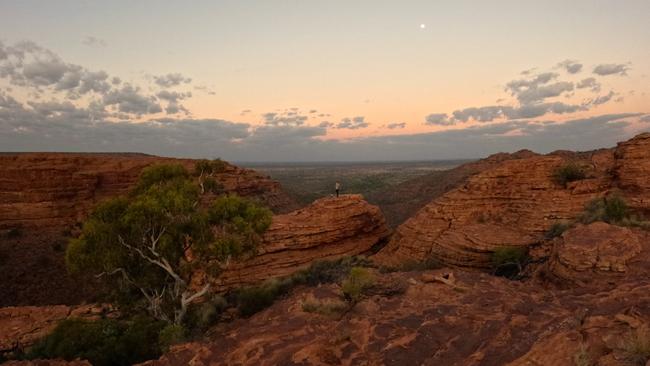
[239, 162]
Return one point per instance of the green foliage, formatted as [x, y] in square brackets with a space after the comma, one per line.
[209, 167]
[636, 346]
[102, 342]
[327, 307]
[612, 209]
[556, 230]
[203, 315]
[253, 299]
[242, 222]
[358, 281]
[508, 261]
[328, 271]
[211, 185]
[569, 172]
[256, 298]
[140, 243]
[158, 174]
[171, 334]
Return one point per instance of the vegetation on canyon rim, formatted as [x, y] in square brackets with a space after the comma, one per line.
[146, 246]
[569, 172]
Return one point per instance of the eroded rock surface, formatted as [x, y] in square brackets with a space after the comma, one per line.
[20, 327]
[328, 229]
[515, 203]
[590, 252]
[474, 319]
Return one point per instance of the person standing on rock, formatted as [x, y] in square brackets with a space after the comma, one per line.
[337, 188]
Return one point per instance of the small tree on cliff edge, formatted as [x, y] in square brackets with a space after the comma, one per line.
[147, 245]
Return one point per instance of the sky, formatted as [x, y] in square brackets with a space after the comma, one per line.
[322, 80]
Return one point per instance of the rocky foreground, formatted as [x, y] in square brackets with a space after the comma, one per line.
[468, 318]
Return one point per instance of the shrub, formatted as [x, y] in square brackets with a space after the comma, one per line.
[508, 261]
[256, 298]
[328, 271]
[170, 335]
[636, 346]
[202, 316]
[357, 282]
[205, 170]
[612, 209]
[568, 172]
[102, 342]
[253, 299]
[327, 307]
[556, 230]
[581, 357]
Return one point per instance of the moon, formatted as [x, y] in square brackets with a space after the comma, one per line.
[423, 26]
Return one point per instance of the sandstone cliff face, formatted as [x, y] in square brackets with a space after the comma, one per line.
[515, 203]
[632, 171]
[327, 229]
[54, 190]
[43, 195]
[402, 201]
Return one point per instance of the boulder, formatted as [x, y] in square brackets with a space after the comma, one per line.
[327, 229]
[590, 252]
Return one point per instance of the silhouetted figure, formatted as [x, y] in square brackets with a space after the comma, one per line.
[337, 187]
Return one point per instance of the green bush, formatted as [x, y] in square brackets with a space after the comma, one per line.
[253, 299]
[612, 209]
[508, 261]
[102, 342]
[556, 230]
[202, 316]
[171, 334]
[327, 307]
[328, 271]
[636, 346]
[568, 172]
[358, 281]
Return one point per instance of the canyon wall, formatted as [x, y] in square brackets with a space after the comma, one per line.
[515, 203]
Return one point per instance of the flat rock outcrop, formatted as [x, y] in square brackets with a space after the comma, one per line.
[21, 327]
[470, 318]
[515, 203]
[327, 229]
